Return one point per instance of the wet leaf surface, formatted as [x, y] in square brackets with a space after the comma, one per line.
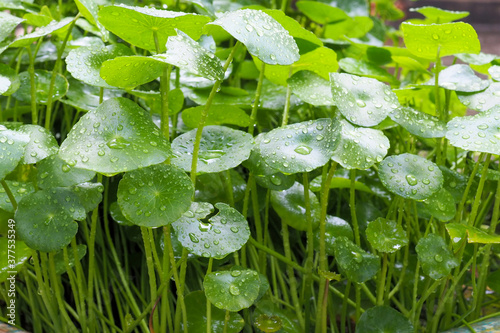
[363, 101]
[216, 237]
[9, 22]
[441, 205]
[232, 290]
[311, 88]
[12, 147]
[290, 205]
[9, 80]
[89, 194]
[383, 319]
[360, 148]
[54, 172]
[155, 196]
[459, 78]
[86, 97]
[263, 36]
[436, 259]
[418, 123]
[357, 264]
[459, 232]
[118, 136]
[410, 176]
[60, 263]
[52, 27]
[217, 115]
[367, 69]
[335, 227]
[476, 133]
[386, 236]
[42, 144]
[483, 100]
[21, 255]
[45, 219]
[221, 148]
[42, 83]
[18, 189]
[288, 319]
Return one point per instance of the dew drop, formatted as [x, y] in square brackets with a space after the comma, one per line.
[411, 179]
[193, 238]
[234, 290]
[303, 150]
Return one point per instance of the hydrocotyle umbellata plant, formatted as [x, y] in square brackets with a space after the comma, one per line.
[255, 166]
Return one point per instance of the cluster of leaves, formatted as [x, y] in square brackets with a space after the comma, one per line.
[285, 170]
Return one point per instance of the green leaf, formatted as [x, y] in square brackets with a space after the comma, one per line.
[364, 68]
[118, 136]
[84, 63]
[474, 235]
[276, 181]
[355, 27]
[90, 194]
[16, 260]
[221, 148]
[185, 53]
[438, 15]
[449, 38]
[129, 72]
[300, 147]
[18, 189]
[290, 205]
[483, 100]
[418, 123]
[137, 24]
[45, 219]
[9, 22]
[217, 115]
[436, 259]
[41, 145]
[155, 196]
[363, 101]
[42, 84]
[54, 172]
[153, 100]
[60, 263]
[360, 148]
[454, 182]
[459, 78]
[196, 308]
[321, 12]
[51, 28]
[263, 36]
[494, 71]
[9, 80]
[385, 235]
[12, 147]
[477, 59]
[410, 176]
[357, 264]
[383, 319]
[339, 182]
[86, 97]
[212, 187]
[287, 318]
[232, 290]
[311, 88]
[335, 227]
[476, 133]
[216, 237]
[441, 205]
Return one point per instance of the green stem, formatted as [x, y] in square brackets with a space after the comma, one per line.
[479, 192]
[151, 270]
[12, 199]
[286, 109]
[209, 304]
[310, 256]
[352, 207]
[204, 115]
[164, 90]
[381, 281]
[256, 102]
[458, 217]
[31, 72]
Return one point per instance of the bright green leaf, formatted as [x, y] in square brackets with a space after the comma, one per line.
[474, 235]
[321, 12]
[42, 144]
[441, 205]
[12, 147]
[18, 189]
[9, 22]
[418, 123]
[131, 71]
[54, 172]
[311, 88]
[459, 78]
[21, 255]
[51, 28]
[217, 115]
[364, 68]
[438, 15]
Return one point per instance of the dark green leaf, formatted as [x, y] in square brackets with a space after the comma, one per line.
[54, 172]
[18, 189]
[9, 80]
[12, 147]
[22, 253]
[90, 194]
[60, 263]
[436, 259]
[358, 265]
[42, 84]
[335, 227]
[383, 319]
[42, 144]
[311, 88]
[386, 236]
[441, 205]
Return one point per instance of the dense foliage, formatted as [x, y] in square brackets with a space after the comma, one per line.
[227, 166]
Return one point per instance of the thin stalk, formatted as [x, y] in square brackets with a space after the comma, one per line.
[381, 281]
[209, 304]
[12, 199]
[477, 199]
[310, 256]
[48, 113]
[256, 102]
[286, 109]
[352, 207]
[460, 209]
[204, 115]
[31, 72]
[151, 270]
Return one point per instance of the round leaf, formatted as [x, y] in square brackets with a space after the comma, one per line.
[494, 71]
[14, 262]
[385, 235]
[45, 219]
[84, 63]
[311, 88]
[118, 136]
[52, 27]
[217, 115]
[42, 84]
[221, 148]
[363, 101]
[89, 194]
[18, 189]
[360, 148]
[232, 290]
[335, 227]
[222, 234]
[300, 147]
[131, 71]
[476, 133]
[290, 205]
[137, 24]
[435, 257]
[441, 205]
[12, 146]
[438, 15]
[42, 144]
[54, 172]
[460, 78]
[196, 308]
[483, 100]
[418, 123]
[358, 265]
[410, 176]
[364, 68]
[383, 319]
[263, 36]
[9, 80]
[321, 12]
[86, 97]
[449, 38]
[155, 196]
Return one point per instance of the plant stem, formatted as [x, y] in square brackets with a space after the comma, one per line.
[256, 102]
[204, 114]
[310, 256]
[209, 304]
[151, 270]
[12, 199]
[286, 109]
[164, 90]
